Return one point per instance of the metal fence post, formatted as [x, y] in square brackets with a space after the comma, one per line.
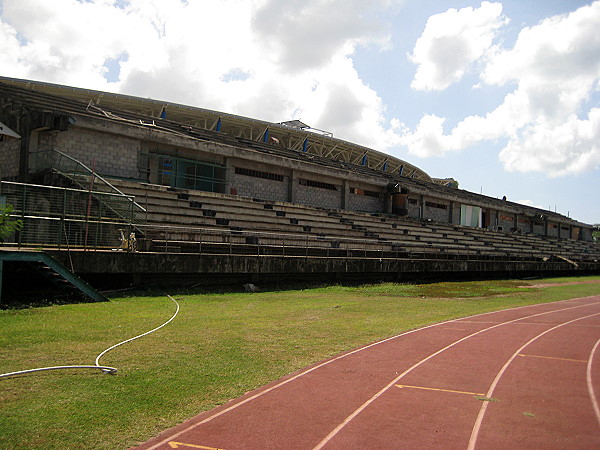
[23, 200]
[62, 219]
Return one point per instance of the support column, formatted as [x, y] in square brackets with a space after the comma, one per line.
[387, 203]
[345, 194]
[25, 132]
[229, 171]
[293, 187]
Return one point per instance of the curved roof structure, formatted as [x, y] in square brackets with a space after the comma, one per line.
[293, 135]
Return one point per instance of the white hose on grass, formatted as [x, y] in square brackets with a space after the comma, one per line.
[105, 369]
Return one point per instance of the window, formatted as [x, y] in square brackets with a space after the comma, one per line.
[364, 192]
[258, 174]
[470, 215]
[436, 205]
[190, 174]
[317, 184]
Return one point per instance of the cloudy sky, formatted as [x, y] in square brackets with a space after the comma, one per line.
[503, 96]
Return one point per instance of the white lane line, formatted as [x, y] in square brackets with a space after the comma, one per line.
[490, 392]
[356, 412]
[283, 383]
[590, 384]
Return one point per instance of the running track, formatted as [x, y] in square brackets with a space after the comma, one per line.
[526, 378]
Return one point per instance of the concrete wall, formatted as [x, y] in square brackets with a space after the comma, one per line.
[435, 209]
[9, 158]
[360, 197]
[455, 213]
[254, 187]
[586, 234]
[365, 203]
[114, 155]
[319, 197]
[258, 180]
[506, 221]
[215, 266]
[118, 149]
[414, 207]
[539, 228]
[525, 225]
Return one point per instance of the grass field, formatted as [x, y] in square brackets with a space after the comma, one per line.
[217, 348]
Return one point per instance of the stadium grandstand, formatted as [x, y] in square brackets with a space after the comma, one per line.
[117, 188]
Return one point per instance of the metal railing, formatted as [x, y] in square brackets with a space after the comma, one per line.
[68, 233]
[122, 205]
[214, 241]
[63, 217]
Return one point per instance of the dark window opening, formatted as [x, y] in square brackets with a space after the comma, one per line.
[317, 184]
[190, 174]
[364, 192]
[258, 174]
[436, 205]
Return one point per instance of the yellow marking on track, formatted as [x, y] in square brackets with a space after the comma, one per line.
[436, 389]
[174, 444]
[552, 357]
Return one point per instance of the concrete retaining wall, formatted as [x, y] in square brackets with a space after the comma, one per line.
[217, 268]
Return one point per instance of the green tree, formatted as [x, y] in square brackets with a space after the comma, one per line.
[8, 225]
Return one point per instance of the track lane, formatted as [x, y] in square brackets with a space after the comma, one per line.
[297, 411]
[472, 353]
[503, 433]
[544, 401]
[590, 382]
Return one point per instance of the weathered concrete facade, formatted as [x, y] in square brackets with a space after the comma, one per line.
[217, 269]
[9, 158]
[156, 152]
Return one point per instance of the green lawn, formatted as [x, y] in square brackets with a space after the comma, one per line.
[218, 347]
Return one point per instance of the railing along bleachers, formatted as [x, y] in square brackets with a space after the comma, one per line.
[338, 229]
[180, 220]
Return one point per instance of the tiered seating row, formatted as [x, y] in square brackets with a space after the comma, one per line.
[185, 217]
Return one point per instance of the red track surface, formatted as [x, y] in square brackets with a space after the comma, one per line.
[527, 378]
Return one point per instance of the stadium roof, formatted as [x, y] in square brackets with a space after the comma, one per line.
[293, 135]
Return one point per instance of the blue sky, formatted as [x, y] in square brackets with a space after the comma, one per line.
[502, 96]
[477, 168]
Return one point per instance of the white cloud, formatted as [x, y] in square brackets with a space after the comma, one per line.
[300, 34]
[451, 42]
[571, 147]
[9, 54]
[428, 139]
[272, 60]
[62, 41]
[546, 122]
[529, 203]
[288, 59]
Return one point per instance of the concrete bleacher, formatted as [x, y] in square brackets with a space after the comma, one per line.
[185, 220]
